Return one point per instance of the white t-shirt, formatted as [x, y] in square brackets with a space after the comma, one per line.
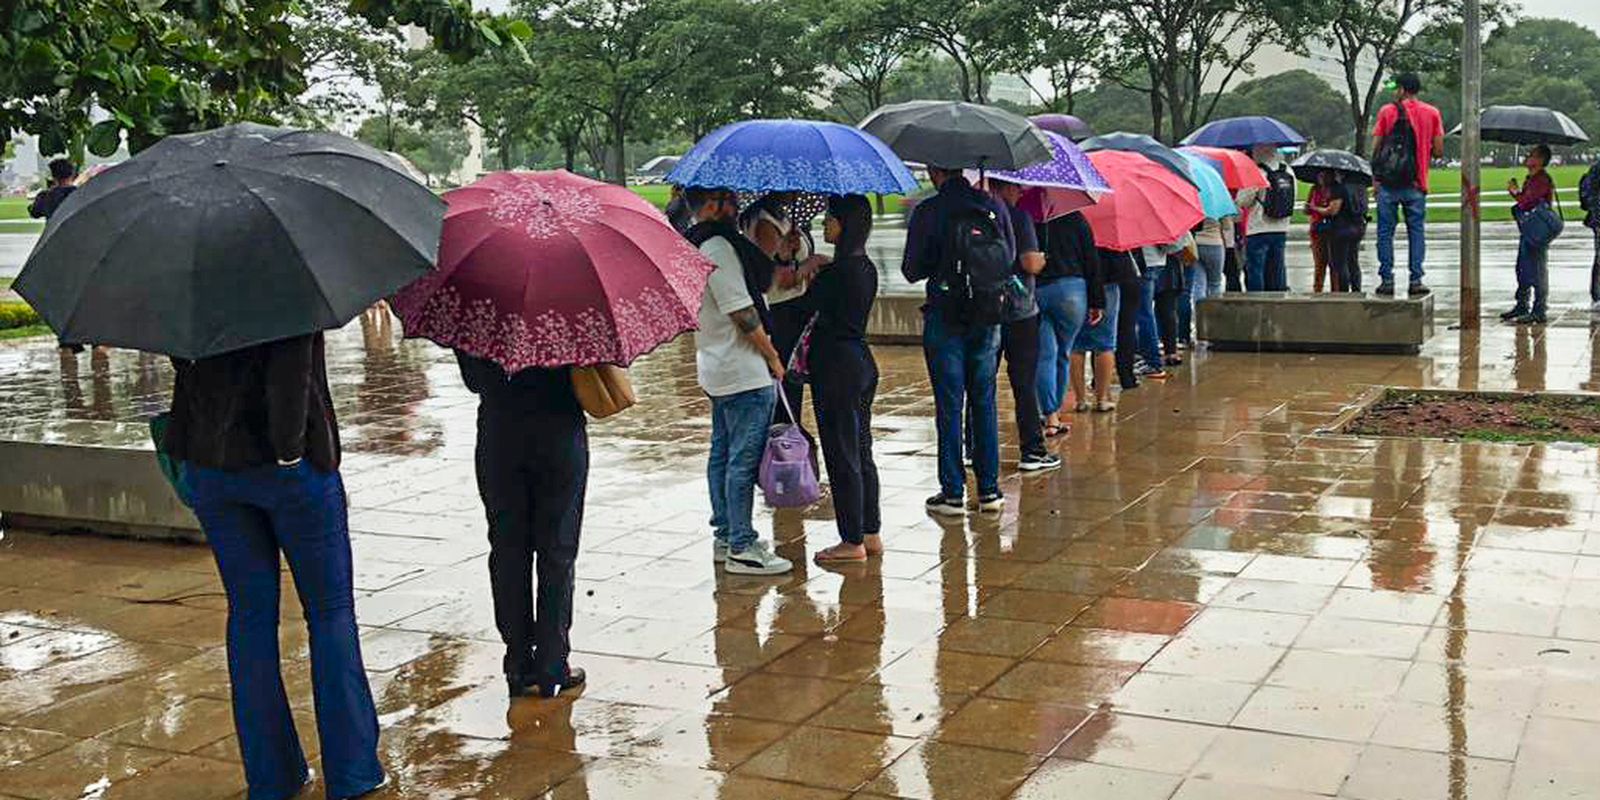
[1259, 221]
[725, 360]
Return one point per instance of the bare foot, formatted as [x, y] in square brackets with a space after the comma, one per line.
[841, 552]
[874, 544]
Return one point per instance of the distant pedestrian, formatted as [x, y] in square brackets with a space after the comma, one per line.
[1537, 193]
[1407, 136]
[1341, 211]
[736, 364]
[678, 211]
[1071, 292]
[1270, 215]
[1019, 336]
[960, 241]
[1589, 198]
[257, 430]
[532, 462]
[1315, 200]
[63, 182]
[844, 378]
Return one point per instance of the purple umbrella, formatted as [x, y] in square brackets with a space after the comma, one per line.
[1065, 124]
[1060, 186]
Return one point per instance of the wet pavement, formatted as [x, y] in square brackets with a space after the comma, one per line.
[1213, 599]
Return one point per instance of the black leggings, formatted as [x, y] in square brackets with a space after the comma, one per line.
[1127, 332]
[1167, 320]
[1230, 268]
[1344, 253]
[844, 381]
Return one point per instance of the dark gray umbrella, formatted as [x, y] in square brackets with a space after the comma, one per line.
[954, 135]
[215, 241]
[1527, 125]
[1351, 167]
[1144, 146]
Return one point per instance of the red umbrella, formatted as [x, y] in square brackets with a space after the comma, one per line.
[1239, 170]
[550, 269]
[1148, 205]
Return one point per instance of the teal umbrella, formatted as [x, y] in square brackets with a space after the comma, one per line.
[1214, 195]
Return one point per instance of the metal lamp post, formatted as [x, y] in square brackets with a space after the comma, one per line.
[1471, 160]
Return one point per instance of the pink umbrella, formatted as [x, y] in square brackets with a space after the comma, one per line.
[550, 269]
[1239, 171]
[1148, 205]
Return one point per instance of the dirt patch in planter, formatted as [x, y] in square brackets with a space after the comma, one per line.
[1481, 417]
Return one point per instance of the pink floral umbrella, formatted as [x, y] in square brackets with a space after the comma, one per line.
[551, 269]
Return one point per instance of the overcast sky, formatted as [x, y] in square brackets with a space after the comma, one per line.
[1583, 12]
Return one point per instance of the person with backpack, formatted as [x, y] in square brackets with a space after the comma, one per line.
[1270, 215]
[1407, 135]
[1589, 199]
[736, 364]
[960, 241]
[1341, 212]
[1536, 194]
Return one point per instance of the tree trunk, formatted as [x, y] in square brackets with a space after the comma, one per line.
[569, 152]
[618, 151]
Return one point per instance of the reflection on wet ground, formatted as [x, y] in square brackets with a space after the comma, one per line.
[1212, 600]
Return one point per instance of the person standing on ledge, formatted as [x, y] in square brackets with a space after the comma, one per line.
[63, 182]
[1409, 133]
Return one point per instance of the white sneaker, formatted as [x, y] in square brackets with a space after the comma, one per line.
[757, 559]
[719, 551]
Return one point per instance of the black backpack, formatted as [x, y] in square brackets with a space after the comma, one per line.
[977, 268]
[1279, 200]
[1395, 163]
[1352, 216]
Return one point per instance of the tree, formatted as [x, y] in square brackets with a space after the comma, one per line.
[435, 152]
[1112, 106]
[497, 92]
[1375, 30]
[1172, 50]
[179, 65]
[741, 62]
[1058, 40]
[964, 31]
[1297, 97]
[864, 53]
[340, 52]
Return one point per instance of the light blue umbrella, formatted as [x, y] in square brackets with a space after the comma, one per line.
[1214, 195]
[793, 155]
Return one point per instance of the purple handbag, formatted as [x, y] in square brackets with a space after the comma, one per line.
[788, 476]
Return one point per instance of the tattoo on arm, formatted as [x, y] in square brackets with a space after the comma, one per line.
[747, 320]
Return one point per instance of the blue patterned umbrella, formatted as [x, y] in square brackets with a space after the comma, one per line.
[791, 155]
[1243, 133]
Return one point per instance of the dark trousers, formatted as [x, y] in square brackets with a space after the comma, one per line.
[1167, 319]
[249, 517]
[1019, 343]
[1344, 264]
[1230, 268]
[1127, 331]
[1594, 270]
[788, 321]
[532, 473]
[844, 382]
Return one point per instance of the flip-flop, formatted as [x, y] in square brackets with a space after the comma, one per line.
[822, 558]
[1053, 431]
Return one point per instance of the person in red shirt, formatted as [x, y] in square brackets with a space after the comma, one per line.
[1533, 260]
[1427, 129]
[1319, 251]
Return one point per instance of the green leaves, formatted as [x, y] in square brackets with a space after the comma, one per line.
[104, 138]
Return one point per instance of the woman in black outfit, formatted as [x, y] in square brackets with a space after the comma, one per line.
[1122, 270]
[844, 378]
[533, 469]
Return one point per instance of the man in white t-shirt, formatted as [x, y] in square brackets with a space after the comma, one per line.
[1271, 210]
[736, 364]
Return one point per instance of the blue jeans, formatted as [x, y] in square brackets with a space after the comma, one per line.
[1063, 306]
[248, 517]
[738, 438]
[1265, 270]
[1205, 280]
[963, 366]
[1415, 203]
[1533, 275]
[1149, 341]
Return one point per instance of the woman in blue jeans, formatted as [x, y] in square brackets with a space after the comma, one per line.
[257, 431]
[1069, 290]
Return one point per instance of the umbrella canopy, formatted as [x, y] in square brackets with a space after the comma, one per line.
[1528, 125]
[550, 269]
[1060, 186]
[1215, 198]
[1239, 171]
[1148, 204]
[957, 135]
[1243, 133]
[1065, 124]
[215, 241]
[1144, 146]
[1350, 166]
[791, 155]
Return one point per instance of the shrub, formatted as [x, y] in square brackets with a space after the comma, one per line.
[17, 315]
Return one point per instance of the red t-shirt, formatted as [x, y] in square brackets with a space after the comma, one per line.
[1426, 125]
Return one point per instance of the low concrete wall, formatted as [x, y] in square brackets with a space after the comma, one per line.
[1322, 323]
[896, 319]
[113, 490]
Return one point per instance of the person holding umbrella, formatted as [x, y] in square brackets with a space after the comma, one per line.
[1341, 223]
[1533, 256]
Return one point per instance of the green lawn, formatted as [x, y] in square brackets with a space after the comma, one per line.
[13, 208]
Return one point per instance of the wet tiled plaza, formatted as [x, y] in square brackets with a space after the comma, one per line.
[1212, 600]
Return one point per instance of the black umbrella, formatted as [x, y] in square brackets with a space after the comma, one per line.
[215, 241]
[958, 135]
[1527, 125]
[1351, 167]
[1144, 146]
